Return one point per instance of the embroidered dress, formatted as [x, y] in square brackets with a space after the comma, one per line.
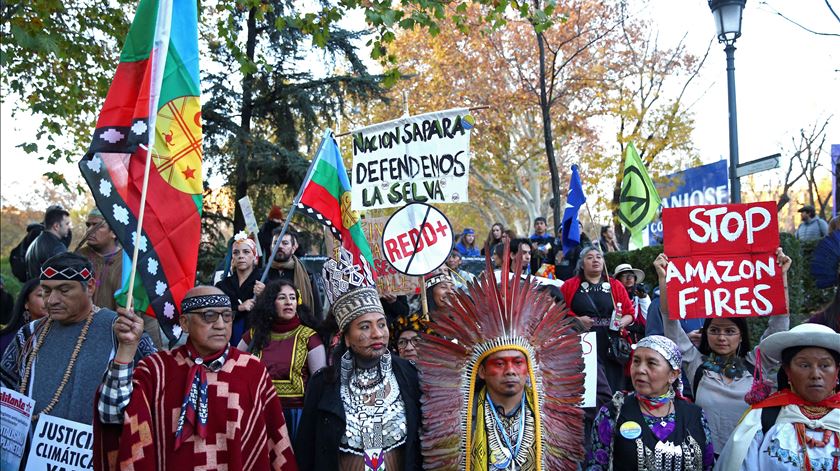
[608, 428]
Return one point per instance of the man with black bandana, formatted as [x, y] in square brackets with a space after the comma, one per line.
[59, 360]
[225, 416]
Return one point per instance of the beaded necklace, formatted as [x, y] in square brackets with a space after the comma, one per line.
[26, 372]
[806, 442]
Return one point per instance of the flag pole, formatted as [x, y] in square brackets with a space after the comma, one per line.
[139, 233]
[597, 243]
[270, 259]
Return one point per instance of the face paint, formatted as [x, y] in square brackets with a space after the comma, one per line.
[500, 366]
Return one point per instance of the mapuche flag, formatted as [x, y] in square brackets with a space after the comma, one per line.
[153, 105]
[325, 197]
[575, 199]
[639, 201]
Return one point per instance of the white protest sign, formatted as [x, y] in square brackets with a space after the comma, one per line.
[15, 418]
[424, 159]
[589, 346]
[250, 219]
[60, 444]
[417, 239]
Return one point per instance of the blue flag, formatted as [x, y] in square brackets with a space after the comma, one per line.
[571, 226]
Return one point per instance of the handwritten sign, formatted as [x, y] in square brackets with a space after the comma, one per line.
[388, 280]
[15, 418]
[250, 219]
[722, 261]
[424, 158]
[417, 239]
[589, 346]
[60, 444]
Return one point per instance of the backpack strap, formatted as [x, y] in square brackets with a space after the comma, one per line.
[768, 418]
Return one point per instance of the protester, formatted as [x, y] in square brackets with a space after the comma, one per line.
[593, 297]
[201, 404]
[541, 240]
[653, 428]
[460, 278]
[608, 242]
[28, 307]
[439, 290]
[467, 246]
[721, 368]
[799, 426]
[830, 315]
[104, 252]
[59, 360]
[406, 335]
[287, 266]
[265, 235]
[289, 348]
[243, 284]
[52, 241]
[365, 407]
[522, 246]
[17, 256]
[812, 226]
[493, 237]
[632, 279]
[488, 403]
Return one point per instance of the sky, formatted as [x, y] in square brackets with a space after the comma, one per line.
[786, 79]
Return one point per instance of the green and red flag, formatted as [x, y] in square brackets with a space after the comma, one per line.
[153, 105]
[325, 197]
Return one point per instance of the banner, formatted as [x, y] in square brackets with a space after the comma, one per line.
[723, 262]
[15, 418]
[706, 184]
[424, 159]
[60, 444]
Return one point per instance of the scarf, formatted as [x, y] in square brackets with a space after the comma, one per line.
[301, 278]
[732, 367]
[786, 397]
[281, 326]
[655, 402]
[194, 412]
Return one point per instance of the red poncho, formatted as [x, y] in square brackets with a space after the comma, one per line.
[245, 429]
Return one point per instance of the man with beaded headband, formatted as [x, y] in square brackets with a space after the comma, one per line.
[204, 405]
[363, 412]
[515, 374]
[59, 360]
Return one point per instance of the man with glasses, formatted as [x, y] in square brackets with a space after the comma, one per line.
[203, 404]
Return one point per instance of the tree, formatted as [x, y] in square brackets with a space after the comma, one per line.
[57, 60]
[806, 149]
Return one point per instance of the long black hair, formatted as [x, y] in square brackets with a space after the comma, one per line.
[743, 348]
[264, 314]
[17, 319]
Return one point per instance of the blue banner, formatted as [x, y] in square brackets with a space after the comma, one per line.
[707, 184]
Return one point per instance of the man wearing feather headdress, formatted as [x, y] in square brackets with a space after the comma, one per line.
[516, 409]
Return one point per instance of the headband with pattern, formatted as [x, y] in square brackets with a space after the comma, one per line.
[436, 279]
[203, 301]
[665, 347]
[66, 273]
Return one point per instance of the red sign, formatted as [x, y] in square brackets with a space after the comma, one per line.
[723, 261]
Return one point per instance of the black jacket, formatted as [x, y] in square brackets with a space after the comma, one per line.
[322, 422]
[42, 248]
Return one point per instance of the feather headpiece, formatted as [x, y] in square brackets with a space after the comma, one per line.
[511, 315]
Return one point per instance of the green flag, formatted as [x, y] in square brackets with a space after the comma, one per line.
[639, 200]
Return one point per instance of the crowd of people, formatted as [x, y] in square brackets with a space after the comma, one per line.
[272, 374]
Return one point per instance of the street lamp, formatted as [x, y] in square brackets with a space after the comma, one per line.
[728, 15]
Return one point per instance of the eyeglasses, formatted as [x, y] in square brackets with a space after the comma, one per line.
[724, 333]
[210, 317]
[402, 343]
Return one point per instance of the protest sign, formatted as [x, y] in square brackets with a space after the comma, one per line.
[706, 184]
[417, 239]
[15, 418]
[250, 220]
[589, 346]
[388, 280]
[60, 444]
[722, 261]
[424, 158]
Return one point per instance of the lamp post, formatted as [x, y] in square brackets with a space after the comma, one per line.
[728, 15]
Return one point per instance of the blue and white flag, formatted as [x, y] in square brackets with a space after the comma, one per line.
[571, 225]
